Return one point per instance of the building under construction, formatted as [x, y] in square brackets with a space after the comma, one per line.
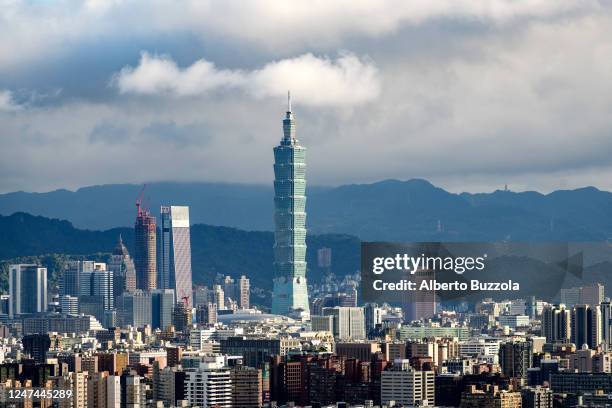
[145, 247]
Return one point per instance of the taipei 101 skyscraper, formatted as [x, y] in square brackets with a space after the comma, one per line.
[290, 293]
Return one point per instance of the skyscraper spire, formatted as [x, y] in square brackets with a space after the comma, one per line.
[289, 123]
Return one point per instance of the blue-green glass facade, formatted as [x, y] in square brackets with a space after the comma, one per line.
[290, 289]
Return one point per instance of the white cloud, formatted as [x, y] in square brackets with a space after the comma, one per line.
[160, 75]
[42, 29]
[317, 81]
[269, 23]
[7, 103]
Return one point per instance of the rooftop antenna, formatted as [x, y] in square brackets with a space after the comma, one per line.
[288, 101]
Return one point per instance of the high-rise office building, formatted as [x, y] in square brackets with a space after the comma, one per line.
[208, 385]
[404, 385]
[27, 289]
[592, 294]
[246, 387]
[606, 322]
[420, 304]
[134, 309]
[206, 314]
[145, 249]
[86, 279]
[537, 397]
[229, 288]
[4, 304]
[570, 296]
[373, 316]
[91, 305]
[69, 304]
[175, 252]
[162, 303]
[70, 282]
[324, 258]
[290, 287]
[256, 351]
[244, 290]
[202, 295]
[122, 266]
[219, 296]
[96, 296]
[322, 323]
[348, 322]
[515, 358]
[556, 324]
[102, 285]
[586, 326]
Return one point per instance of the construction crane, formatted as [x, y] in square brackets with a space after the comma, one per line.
[185, 300]
[139, 200]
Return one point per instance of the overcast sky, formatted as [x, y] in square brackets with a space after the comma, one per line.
[469, 94]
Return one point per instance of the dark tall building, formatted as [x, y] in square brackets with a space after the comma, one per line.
[207, 314]
[536, 397]
[145, 249]
[175, 354]
[70, 283]
[162, 303]
[556, 324]
[37, 345]
[254, 351]
[515, 358]
[586, 326]
[322, 385]
[181, 317]
[247, 388]
[114, 362]
[573, 383]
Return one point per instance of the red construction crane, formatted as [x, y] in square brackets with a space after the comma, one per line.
[185, 300]
[139, 200]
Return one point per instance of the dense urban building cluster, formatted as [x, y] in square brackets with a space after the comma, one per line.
[135, 332]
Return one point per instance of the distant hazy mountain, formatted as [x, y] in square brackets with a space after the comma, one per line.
[215, 250]
[103, 207]
[387, 210]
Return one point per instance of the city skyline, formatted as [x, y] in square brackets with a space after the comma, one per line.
[363, 274]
